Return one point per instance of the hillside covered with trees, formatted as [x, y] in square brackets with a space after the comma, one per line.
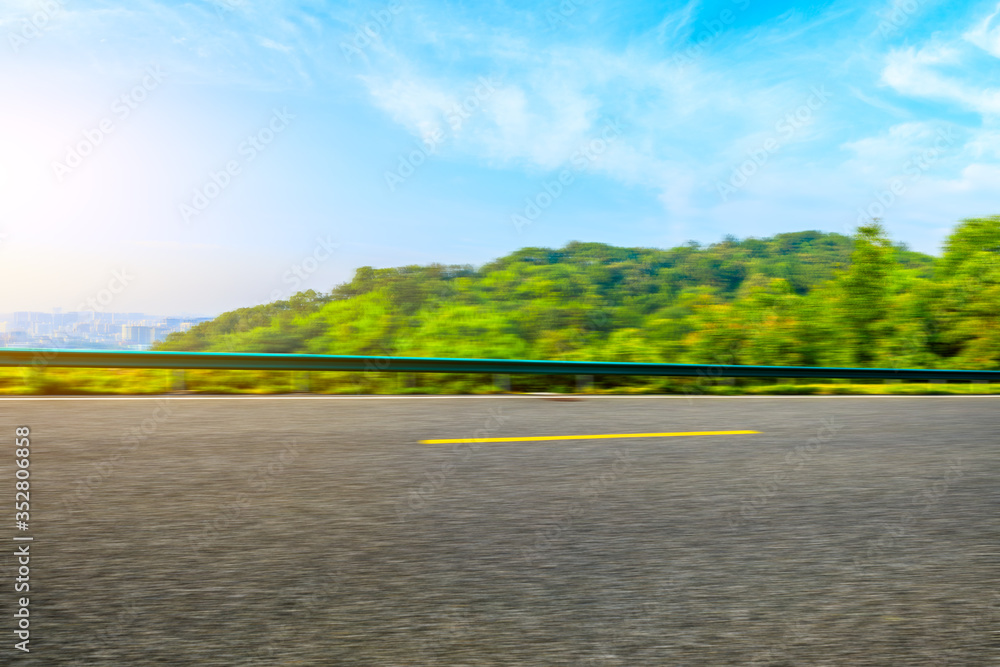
[799, 299]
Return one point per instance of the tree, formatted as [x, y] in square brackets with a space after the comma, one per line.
[967, 313]
[866, 290]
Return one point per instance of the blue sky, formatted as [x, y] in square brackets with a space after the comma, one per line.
[218, 154]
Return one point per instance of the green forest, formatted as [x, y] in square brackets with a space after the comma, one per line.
[799, 299]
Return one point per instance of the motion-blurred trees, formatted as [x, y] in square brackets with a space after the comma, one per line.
[966, 317]
[805, 298]
[865, 293]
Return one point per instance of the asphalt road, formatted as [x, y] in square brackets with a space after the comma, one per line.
[319, 531]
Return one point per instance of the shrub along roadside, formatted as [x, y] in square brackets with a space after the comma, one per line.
[86, 381]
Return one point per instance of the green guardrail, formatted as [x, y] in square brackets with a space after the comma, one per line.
[321, 362]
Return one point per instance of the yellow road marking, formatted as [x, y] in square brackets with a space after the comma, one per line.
[536, 438]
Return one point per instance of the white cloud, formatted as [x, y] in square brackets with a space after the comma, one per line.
[553, 101]
[985, 144]
[895, 145]
[677, 24]
[976, 178]
[911, 72]
[986, 34]
[273, 45]
[417, 104]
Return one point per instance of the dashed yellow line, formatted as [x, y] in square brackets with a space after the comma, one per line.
[538, 438]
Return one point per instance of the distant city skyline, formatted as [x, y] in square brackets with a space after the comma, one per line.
[89, 329]
[202, 157]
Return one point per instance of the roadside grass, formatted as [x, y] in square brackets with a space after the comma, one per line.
[41, 381]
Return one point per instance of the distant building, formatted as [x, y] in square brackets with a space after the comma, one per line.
[41, 328]
[137, 334]
[15, 337]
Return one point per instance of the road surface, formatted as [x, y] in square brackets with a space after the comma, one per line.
[321, 531]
